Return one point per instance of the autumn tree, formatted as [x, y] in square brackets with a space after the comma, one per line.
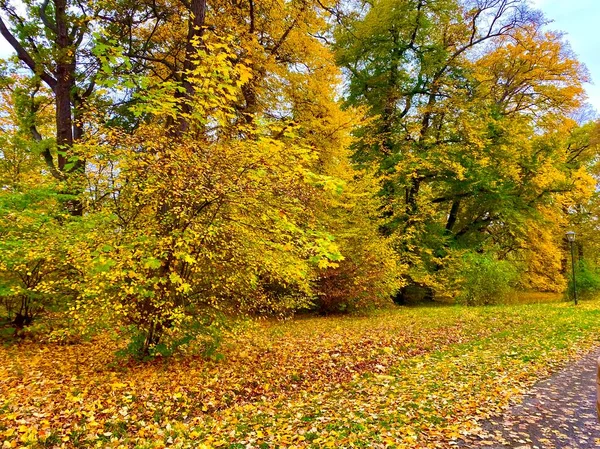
[68, 47]
[469, 103]
[234, 190]
[49, 39]
[32, 266]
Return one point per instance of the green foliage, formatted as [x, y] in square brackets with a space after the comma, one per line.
[32, 262]
[370, 272]
[470, 131]
[587, 277]
[202, 335]
[485, 280]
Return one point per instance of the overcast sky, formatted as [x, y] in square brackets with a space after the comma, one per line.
[579, 19]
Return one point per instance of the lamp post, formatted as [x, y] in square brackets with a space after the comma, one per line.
[571, 240]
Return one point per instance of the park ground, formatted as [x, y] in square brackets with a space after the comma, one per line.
[406, 377]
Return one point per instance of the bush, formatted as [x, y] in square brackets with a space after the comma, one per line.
[485, 280]
[587, 280]
[199, 224]
[200, 335]
[369, 272]
[34, 275]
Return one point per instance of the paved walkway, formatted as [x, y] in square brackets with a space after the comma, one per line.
[558, 413]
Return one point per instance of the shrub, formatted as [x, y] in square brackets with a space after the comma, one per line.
[33, 272]
[369, 272]
[485, 280]
[202, 221]
[587, 280]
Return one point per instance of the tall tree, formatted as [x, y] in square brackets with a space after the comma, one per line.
[238, 192]
[467, 99]
[50, 40]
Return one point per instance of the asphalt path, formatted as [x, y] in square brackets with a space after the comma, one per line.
[557, 413]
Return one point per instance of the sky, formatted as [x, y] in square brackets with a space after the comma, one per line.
[578, 19]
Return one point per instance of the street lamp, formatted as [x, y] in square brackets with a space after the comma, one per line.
[571, 240]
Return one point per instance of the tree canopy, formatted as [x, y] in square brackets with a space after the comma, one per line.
[166, 164]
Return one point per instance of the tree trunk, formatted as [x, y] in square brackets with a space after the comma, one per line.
[197, 11]
[64, 92]
[65, 68]
[452, 216]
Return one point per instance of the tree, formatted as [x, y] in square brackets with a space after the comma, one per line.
[222, 204]
[50, 40]
[69, 47]
[32, 269]
[470, 105]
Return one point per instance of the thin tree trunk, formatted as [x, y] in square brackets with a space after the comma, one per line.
[196, 22]
[453, 215]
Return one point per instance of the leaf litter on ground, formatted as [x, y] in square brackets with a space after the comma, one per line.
[404, 377]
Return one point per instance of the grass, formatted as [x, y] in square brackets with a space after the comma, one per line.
[404, 377]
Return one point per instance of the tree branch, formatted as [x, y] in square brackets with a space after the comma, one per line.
[44, 18]
[26, 57]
